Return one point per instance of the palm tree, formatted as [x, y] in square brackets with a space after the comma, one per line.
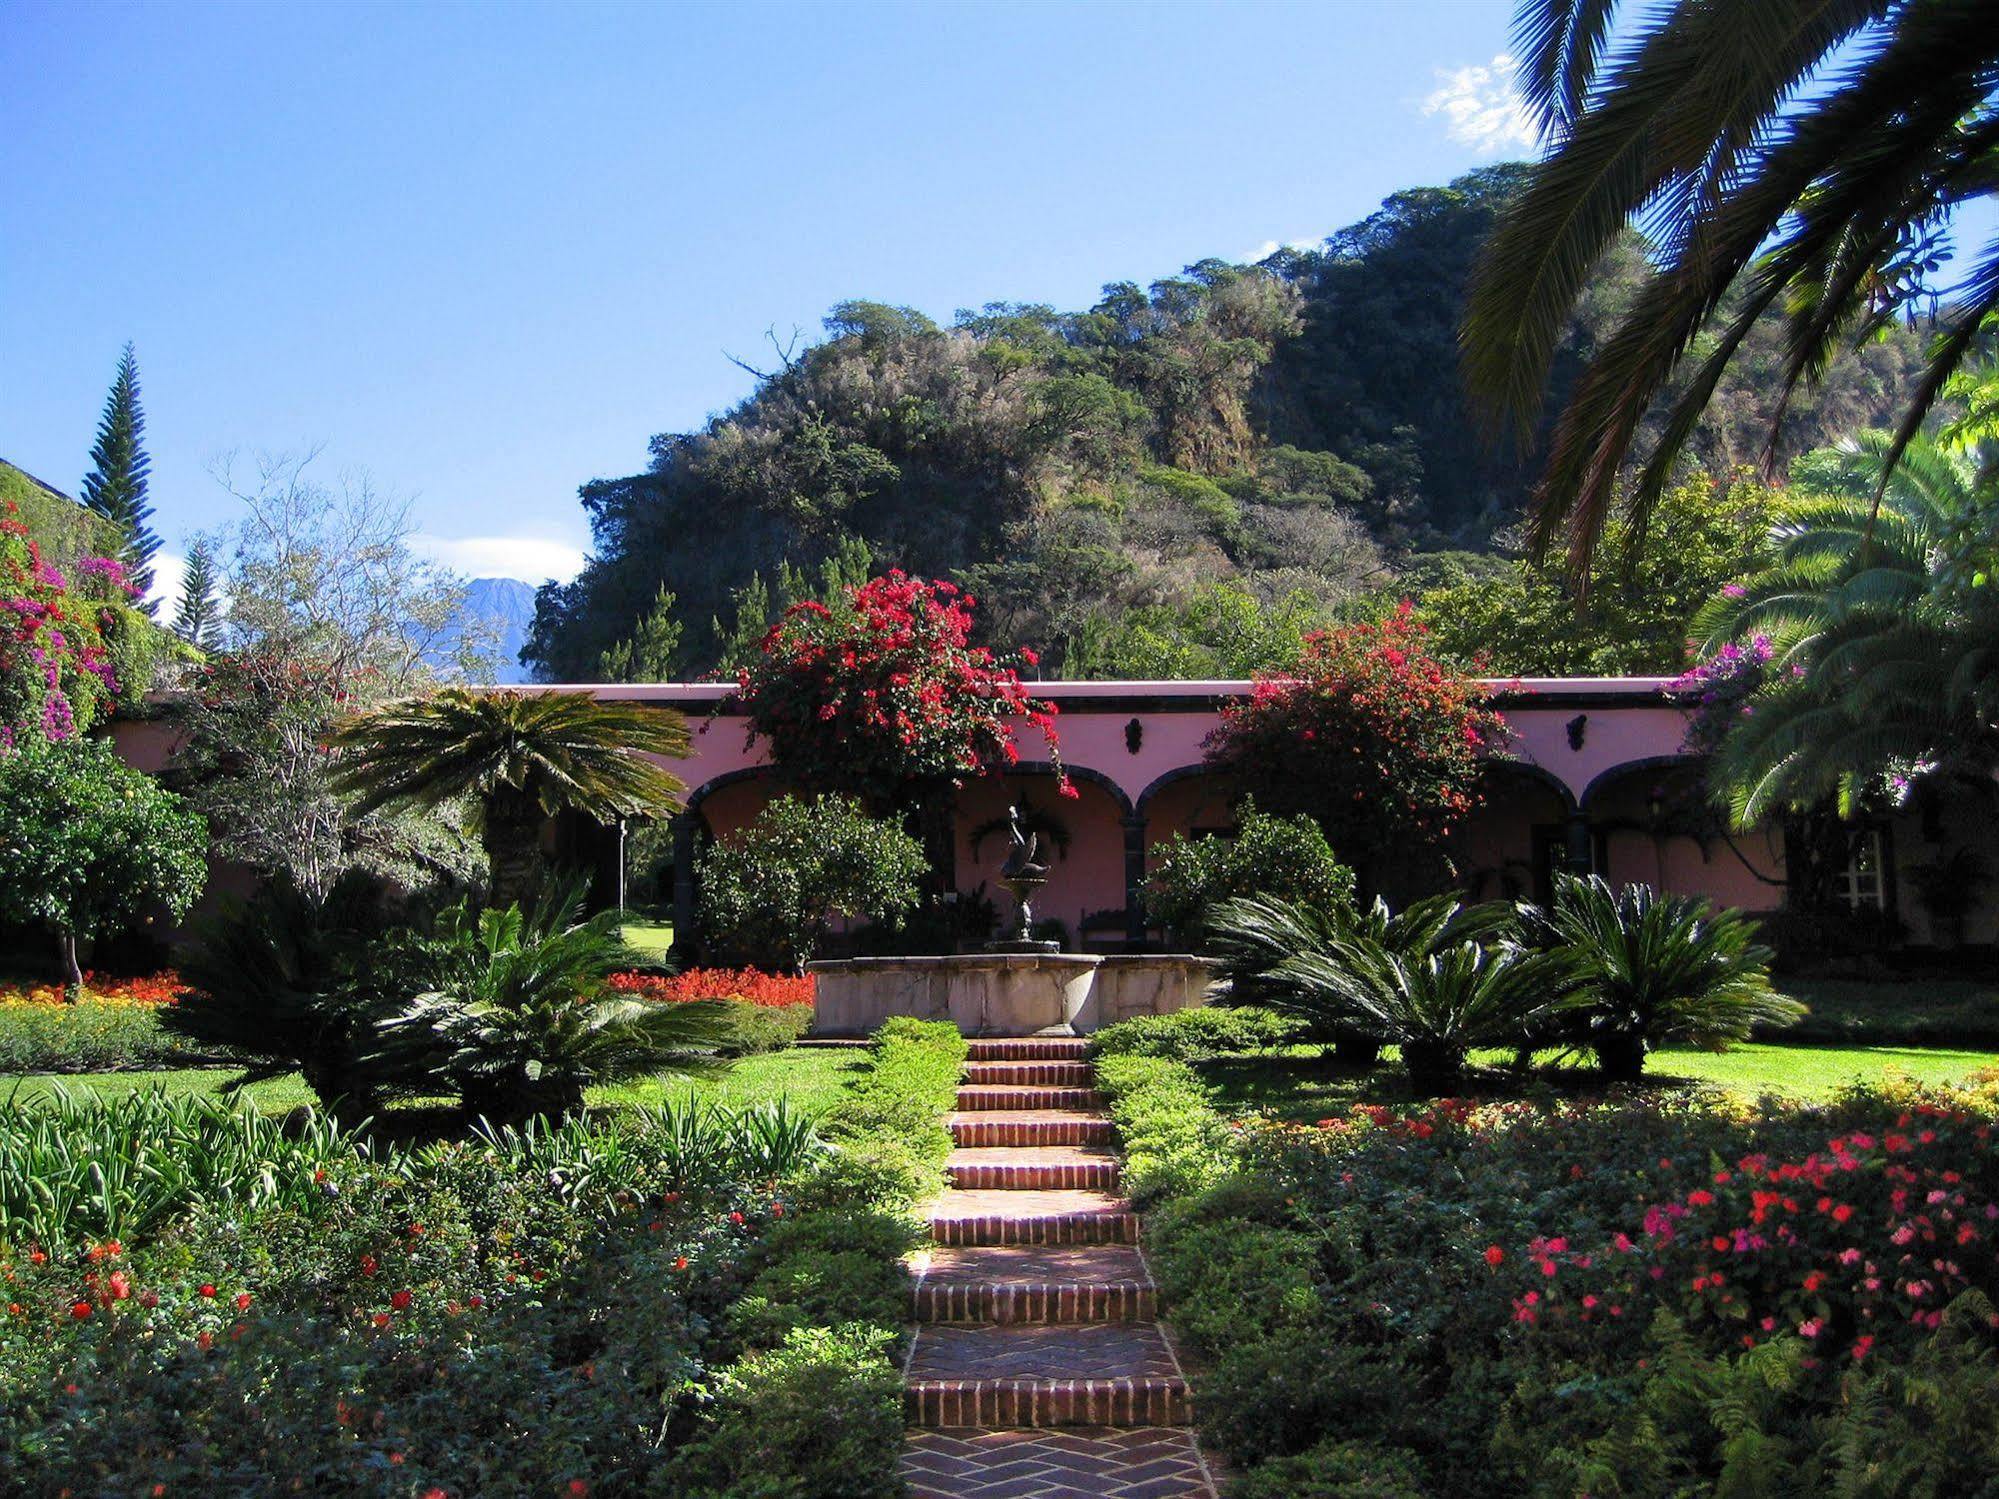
[1802, 154]
[1885, 640]
[1650, 969]
[525, 755]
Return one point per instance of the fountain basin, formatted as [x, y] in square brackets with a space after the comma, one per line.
[1004, 994]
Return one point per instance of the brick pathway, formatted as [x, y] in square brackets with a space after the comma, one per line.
[1039, 1370]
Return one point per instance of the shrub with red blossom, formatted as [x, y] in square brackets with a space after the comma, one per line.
[750, 985]
[883, 692]
[1372, 736]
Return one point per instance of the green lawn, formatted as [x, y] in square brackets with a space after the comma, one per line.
[810, 1077]
[1299, 1083]
[652, 938]
[1902, 1012]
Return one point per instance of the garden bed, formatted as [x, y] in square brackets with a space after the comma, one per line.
[1647, 1294]
[692, 1302]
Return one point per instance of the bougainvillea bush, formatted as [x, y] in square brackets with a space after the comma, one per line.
[1621, 1298]
[882, 692]
[1372, 737]
[602, 1307]
[72, 642]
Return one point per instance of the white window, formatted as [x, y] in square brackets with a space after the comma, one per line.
[1861, 885]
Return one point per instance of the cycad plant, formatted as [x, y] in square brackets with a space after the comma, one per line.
[1648, 969]
[1803, 158]
[523, 1018]
[524, 756]
[1437, 979]
[280, 980]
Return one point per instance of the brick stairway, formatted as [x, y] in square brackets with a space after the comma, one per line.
[1039, 1369]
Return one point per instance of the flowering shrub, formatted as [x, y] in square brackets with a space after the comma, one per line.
[1372, 736]
[70, 642]
[1584, 1293]
[884, 692]
[1716, 693]
[750, 985]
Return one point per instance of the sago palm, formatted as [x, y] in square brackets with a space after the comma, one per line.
[1429, 978]
[520, 1009]
[524, 755]
[1802, 155]
[1650, 968]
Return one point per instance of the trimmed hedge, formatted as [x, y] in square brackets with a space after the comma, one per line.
[1199, 1034]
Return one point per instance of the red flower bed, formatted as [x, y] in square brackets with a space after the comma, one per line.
[747, 984]
[161, 988]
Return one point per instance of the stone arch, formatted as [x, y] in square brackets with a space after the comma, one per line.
[1170, 778]
[1593, 792]
[1084, 773]
[1526, 827]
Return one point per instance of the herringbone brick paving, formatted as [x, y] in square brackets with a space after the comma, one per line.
[1038, 1370]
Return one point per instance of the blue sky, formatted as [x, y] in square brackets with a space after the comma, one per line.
[485, 252]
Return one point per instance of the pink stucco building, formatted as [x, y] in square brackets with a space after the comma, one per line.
[1595, 778]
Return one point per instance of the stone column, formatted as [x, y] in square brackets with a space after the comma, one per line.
[1134, 880]
[1579, 843]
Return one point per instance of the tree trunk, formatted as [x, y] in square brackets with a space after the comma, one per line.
[1621, 1057]
[1352, 1049]
[1434, 1068]
[72, 971]
[511, 837]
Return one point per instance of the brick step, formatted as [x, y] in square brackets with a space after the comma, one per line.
[951, 1404]
[1090, 1374]
[1029, 1049]
[1033, 1167]
[1033, 1074]
[1027, 1127]
[981, 1216]
[1032, 1283]
[975, 1099]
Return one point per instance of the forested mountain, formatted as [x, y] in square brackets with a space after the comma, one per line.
[1221, 458]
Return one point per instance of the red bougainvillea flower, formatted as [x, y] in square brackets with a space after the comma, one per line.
[884, 692]
[1495, 1256]
[400, 1301]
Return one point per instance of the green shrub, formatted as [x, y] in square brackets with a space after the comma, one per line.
[1199, 1034]
[820, 1288]
[765, 1028]
[818, 1417]
[769, 889]
[1284, 858]
[91, 1036]
[1174, 1141]
[1221, 1275]
[1337, 1469]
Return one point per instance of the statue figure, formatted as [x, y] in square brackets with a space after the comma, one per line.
[1023, 873]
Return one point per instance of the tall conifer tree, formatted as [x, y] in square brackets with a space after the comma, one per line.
[115, 488]
[198, 620]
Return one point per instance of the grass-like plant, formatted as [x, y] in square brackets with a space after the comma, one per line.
[1649, 969]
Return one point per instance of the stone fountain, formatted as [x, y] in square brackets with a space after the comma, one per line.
[1017, 986]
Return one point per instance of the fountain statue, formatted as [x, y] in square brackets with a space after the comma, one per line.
[1023, 874]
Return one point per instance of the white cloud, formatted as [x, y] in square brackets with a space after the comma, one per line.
[532, 559]
[167, 573]
[1481, 107]
[1271, 246]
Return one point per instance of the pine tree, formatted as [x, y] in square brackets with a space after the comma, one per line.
[115, 488]
[199, 618]
[652, 650]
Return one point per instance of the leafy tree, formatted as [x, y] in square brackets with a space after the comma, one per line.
[651, 652]
[1651, 969]
[1372, 737]
[525, 756]
[1222, 632]
[198, 619]
[115, 487]
[769, 890]
[92, 845]
[1636, 614]
[331, 612]
[1284, 858]
[1826, 199]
